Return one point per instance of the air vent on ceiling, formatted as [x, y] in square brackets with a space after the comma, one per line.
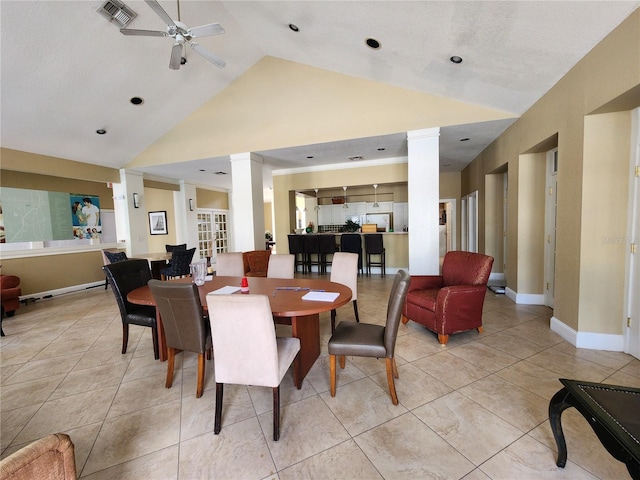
[117, 12]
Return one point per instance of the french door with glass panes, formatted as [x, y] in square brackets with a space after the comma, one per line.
[213, 234]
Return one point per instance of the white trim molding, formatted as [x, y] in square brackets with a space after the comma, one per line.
[588, 340]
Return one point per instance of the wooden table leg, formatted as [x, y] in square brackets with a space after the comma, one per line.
[307, 329]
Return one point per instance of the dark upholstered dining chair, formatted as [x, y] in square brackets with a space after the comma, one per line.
[296, 247]
[186, 328]
[374, 245]
[368, 340]
[451, 302]
[352, 242]
[124, 277]
[179, 266]
[246, 349]
[112, 256]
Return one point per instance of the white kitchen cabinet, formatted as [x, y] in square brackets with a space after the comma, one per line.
[355, 209]
[331, 214]
[400, 216]
[383, 207]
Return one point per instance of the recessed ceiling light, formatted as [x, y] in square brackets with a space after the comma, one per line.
[465, 139]
[221, 173]
[202, 170]
[373, 43]
[101, 131]
[294, 27]
[356, 157]
[381, 149]
[309, 156]
[456, 59]
[446, 164]
[136, 100]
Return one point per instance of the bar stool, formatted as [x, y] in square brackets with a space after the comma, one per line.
[352, 242]
[312, 251]
[296, 248]
[373, 245]
[327, 247]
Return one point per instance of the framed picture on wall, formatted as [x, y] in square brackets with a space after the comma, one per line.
[158, 223]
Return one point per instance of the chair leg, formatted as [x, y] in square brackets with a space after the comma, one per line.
[343, 361]
[218, 415]
[392, 385]
[125, 337]
[355, 310]
[404, 319]
[395, 369]
[443, 339]
[200, 386]
[106, 282]
[479, 329]
[156, 348]
[276, 413]
[171, 359]
[332, 374]
[333, 320]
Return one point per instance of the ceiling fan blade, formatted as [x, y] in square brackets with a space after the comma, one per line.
[207, 30]
[160, 12]
[145, 33]
[176, 56]
[217, 61]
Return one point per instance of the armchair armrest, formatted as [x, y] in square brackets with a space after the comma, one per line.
[425, 282]
[460, 304]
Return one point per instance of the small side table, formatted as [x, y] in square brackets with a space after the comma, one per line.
[612, 411]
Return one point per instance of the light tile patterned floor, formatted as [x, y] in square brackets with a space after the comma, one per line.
[475, 409]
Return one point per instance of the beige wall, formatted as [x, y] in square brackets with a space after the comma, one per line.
[607, 73]
[604, 221]
[212, 199]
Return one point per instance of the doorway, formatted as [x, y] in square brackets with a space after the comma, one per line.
[550, 214]
[470, 222]
[447, 226]
[632, 328]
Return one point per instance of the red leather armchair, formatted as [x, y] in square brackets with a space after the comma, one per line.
[10, 293]
[451, 302]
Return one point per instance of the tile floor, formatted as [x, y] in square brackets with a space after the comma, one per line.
[475, 409]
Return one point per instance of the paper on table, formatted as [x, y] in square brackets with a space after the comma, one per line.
[225, 290]
[321, 296]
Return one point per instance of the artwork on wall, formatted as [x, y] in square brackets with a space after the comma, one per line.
[85, 214]
[158, 223]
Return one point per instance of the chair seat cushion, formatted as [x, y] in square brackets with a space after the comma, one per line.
[142, 315]
[424, 298]
[360, 339]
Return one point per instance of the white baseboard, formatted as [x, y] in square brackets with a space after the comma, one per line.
[525, 298]
[60, 291]
[588, 340]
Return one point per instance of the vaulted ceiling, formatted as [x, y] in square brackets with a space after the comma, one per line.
[67, 72]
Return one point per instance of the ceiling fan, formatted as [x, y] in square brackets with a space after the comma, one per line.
[182, 35]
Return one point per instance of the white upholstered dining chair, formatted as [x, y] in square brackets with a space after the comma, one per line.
[281, 266]
[229, 264]
[344, 270]
[246, 350]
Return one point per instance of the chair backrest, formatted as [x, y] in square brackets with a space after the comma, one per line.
[173, 248]
[50, 457]
[281, 266]
[394, 310]
[229, 264]
[244, 340]
[113, 256]
[344, 270]
[311, 243]
[296, 244]
[182, 315]
[327, 243]
[126, 276]
[373, 243]
[466, 268]
[180, 261]
[351, 242]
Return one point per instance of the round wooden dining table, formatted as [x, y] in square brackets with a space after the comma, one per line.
[287, 306]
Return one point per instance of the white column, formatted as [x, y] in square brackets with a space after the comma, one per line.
[132, 224]
[247, 210]
[186, 219]
[424, 197]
